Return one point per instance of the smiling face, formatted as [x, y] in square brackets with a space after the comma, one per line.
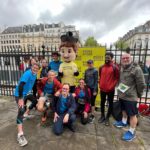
[51, 75]
[68, 54]
[108, 59]
[126, 59]
[65, 90]
[35, 68]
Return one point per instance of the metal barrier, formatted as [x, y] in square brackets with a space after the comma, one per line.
[11, 71]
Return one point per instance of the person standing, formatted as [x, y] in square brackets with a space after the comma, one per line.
[91, 80]
[55, 63]
[43, 70]
[22, 90]
[131, 86]
[108, 78]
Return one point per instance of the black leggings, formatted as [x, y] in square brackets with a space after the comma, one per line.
[32, 99]
[80, 110]
[110, 97]
[93, 97]
[22, 110]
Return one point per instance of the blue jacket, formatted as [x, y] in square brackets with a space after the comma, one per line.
[71, 104]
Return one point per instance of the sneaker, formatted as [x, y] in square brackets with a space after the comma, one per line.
[25, 115]
[101, 119]
[128, 136]
[119, 124]
[71, 128]
[44, 117]
[107, 123]
[22, 140]
[91, 119]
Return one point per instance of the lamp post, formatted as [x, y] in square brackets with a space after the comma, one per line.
[43, 51]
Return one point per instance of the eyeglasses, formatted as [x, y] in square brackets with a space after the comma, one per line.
[65, 88]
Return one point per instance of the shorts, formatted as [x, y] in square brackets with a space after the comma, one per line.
[130, 107]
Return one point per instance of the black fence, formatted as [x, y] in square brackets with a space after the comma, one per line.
[11, 69]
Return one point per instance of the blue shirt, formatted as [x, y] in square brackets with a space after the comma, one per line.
[81, 94]
[63, 105]
[48, 89]
[54, 65]
[29, 78]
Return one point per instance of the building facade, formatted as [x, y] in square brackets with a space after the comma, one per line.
[34, 36]
[138, 37]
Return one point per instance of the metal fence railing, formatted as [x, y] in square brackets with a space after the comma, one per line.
[10, 62]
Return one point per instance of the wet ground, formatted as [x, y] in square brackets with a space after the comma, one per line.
[89, 137]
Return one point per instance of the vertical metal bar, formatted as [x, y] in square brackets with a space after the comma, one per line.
[134, 52]
[140, 52]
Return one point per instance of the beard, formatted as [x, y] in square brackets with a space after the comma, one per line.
[107, 61]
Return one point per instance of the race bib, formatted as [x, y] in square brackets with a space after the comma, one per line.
[81, 101]
[123, 88]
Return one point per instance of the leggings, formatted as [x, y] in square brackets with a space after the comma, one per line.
[22, 110]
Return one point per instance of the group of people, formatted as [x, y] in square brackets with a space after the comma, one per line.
[65, 104]
[54, 88]
[52, 94]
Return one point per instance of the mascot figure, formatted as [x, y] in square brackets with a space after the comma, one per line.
[68, 69]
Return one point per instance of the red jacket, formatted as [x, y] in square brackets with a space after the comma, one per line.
[41, 84]
[87, 98]
[108, 77]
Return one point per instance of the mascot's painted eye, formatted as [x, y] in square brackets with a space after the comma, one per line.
[69, 50]
[62, 50]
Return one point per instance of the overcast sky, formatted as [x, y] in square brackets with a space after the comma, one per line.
[106, 20]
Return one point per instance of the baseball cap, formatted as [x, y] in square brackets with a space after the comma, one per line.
[90, 61]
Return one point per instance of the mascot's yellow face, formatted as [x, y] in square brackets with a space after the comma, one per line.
[67, 54]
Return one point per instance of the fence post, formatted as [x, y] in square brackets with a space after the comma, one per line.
[43, 51]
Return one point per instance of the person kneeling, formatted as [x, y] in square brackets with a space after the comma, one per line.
[64, 107]
[83, 96]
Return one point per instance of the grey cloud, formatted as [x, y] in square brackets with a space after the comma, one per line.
[15, 12]
[104, 16]
[112, 13]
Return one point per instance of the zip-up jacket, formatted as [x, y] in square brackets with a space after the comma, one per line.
[91, 78]
[132, 77]
[41, 84]
[71, 104]
[86, 98]
[108, 77]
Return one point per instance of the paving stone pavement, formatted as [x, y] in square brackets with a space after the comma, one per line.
[87, 137]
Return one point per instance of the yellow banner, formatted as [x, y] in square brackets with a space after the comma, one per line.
[97, 54]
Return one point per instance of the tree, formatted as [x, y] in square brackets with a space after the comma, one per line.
[120, 44]
[91, 42]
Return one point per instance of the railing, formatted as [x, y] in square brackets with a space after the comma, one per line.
[10, 70]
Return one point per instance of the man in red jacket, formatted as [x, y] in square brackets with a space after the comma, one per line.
[108, 78]
[47, 88]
